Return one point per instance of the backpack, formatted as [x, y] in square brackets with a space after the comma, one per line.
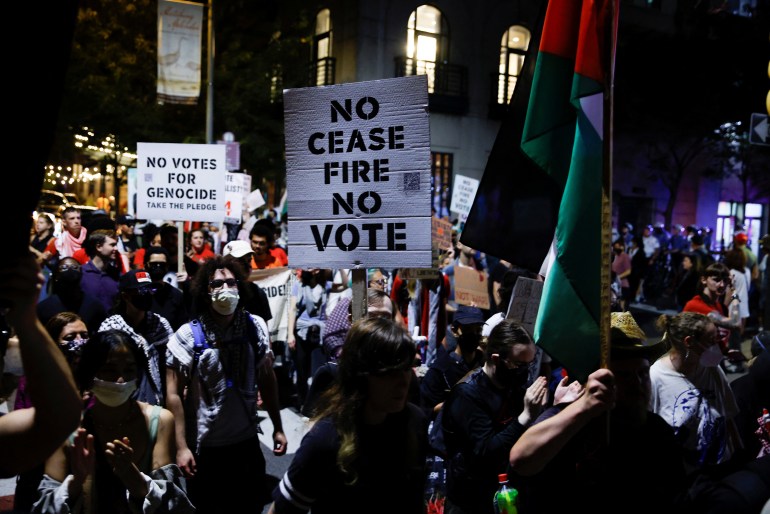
[200, 343]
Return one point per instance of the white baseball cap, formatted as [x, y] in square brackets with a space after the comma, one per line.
[237, 248]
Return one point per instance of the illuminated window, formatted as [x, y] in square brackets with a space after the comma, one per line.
[322, 49]
[425, 43]
[731, 214]
[513, 49]
[441, 182]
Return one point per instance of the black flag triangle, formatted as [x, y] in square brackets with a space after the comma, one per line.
[514, 213]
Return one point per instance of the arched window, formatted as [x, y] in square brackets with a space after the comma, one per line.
[322, 73]
[513, 49]
[426, 43]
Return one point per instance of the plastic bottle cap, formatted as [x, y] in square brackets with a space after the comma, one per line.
[502, 477]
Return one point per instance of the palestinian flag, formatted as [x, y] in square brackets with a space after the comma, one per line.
[564, 136]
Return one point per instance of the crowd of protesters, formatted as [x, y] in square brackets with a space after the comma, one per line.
[419, 406]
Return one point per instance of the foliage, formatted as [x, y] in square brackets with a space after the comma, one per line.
[734, 155]
[110, 84]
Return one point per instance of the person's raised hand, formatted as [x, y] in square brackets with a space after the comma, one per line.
[535, 399]
[120, 456]
[82, 456]
[567, 393]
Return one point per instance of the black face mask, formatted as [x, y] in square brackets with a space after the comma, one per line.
[618, 251]
[68, 278]
[143, 302]
[157, 271]
[468, 343]
[511, 377]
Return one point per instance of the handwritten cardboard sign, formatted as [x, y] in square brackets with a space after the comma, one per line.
[525, 302]
[471, 287]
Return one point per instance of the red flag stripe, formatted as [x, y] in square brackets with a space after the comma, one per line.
[560, 31]
[593, 25]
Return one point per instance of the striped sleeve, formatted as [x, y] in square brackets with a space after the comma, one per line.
[312, 474]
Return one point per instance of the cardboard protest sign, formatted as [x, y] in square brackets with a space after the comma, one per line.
[358, 174]
[525, 302]
[441, 239]
[418, 273]
[181, 182]
[471, 287]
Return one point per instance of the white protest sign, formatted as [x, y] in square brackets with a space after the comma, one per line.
[463, 193]
[181, 182]
[276, 282]
[358, 174]
[254, 200]
[237, 186]
[525, 302]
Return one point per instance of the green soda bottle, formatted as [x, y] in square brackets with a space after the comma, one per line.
[506, 497]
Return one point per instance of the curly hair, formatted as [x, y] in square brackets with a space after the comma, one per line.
[199, 288]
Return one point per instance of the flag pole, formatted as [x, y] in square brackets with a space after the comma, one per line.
[210, 74]
[606, 226]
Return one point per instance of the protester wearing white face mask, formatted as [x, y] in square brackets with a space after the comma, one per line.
[120, 459]
[223, 360]
[691, 393]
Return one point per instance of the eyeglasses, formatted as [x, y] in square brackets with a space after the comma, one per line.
[76, 335]
[218, 282]
[517, 364]
[67, 267]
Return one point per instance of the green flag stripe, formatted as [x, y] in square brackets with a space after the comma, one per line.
[549, 129]
[568, 320]
[566, 330]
